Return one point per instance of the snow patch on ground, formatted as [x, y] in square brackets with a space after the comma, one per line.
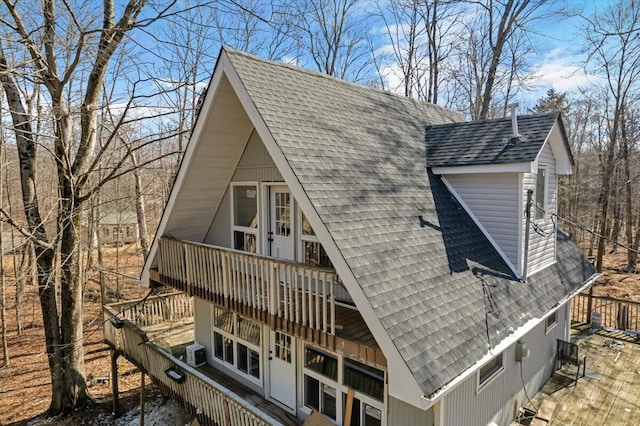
[159, 412]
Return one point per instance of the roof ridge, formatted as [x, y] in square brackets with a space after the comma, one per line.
[320, 74]
[496, 119]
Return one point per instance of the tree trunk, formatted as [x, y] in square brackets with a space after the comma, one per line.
[631, 257]
[3, 299]
[140, 205]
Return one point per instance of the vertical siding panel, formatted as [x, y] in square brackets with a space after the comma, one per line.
[499, 401]
[542, 247]
[401, 413]
[256, 163]
[493, 199]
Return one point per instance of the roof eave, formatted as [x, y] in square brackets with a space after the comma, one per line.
[519, 167]
[198, 127]
[508, 341]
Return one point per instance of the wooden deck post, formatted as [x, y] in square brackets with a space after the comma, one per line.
[142, 398]
[114, 382]
[589, 304]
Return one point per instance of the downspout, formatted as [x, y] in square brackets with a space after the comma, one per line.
[527, 214]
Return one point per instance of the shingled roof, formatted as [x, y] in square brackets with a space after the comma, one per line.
[437, 285]
[491, 141]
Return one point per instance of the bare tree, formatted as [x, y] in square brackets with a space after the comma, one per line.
[496, 41]
[55, 61]
[333, 34]
[614, 47]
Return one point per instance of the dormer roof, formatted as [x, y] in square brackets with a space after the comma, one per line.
[490, 146]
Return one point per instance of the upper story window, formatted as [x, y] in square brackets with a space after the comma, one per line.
[541, 193]
[245, 217]
[312, 251]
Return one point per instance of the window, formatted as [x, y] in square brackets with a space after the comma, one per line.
[129, 233]
[551, 321]
[320, 393]
[327, 379]
[105, 232]
[362, 414]
[541, 185]
[490, 370]
[236, 341]
[363, 378]
[321, 363]
[245, 217]
[312, 251]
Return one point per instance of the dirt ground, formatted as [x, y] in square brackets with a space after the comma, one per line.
[615, 282]
[25, 384]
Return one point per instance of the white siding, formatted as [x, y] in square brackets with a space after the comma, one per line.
[225, 132]
[202, 324]
[256, 163]
[501, 398]
[542, 250]
[401, 413]
[493, 199]
[219, 233]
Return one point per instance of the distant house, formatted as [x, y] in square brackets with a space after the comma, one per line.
[119, 227]
[364, 255]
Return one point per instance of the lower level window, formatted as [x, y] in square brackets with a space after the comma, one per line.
[248, 361]
[362, 414]
[236, 341]
[490, 370]
[320, 397]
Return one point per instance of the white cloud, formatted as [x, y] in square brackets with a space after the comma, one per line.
[560, 72]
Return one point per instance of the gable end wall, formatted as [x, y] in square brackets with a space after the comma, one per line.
[542, 248]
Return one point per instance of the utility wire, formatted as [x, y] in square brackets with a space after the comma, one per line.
[542, 233]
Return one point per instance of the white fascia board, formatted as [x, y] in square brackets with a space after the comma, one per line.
[504, 344]
[522, 167]
[482, 228]
[194, 140]
[402, 383]
[559, 150]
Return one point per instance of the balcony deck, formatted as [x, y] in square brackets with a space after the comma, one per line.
[154, 334]
[296, 298]
[609, 394]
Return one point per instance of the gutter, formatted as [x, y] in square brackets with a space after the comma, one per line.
[504, 344]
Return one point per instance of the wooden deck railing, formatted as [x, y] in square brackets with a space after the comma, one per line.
[212, 403]
[615, 313]
[158, 309]
[295, 292]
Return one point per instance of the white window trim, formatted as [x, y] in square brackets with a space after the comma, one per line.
[236, 340]
[245, 229]
[545, 204]
[340, 387]
[482, 386]
[548, 327]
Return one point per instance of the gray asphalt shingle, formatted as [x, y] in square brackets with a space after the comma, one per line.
[438, 286]
[488, 141]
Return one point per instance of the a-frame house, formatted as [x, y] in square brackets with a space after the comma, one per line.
[373, 258]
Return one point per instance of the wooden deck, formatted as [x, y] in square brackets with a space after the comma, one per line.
[174, 338]
[613, 399]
